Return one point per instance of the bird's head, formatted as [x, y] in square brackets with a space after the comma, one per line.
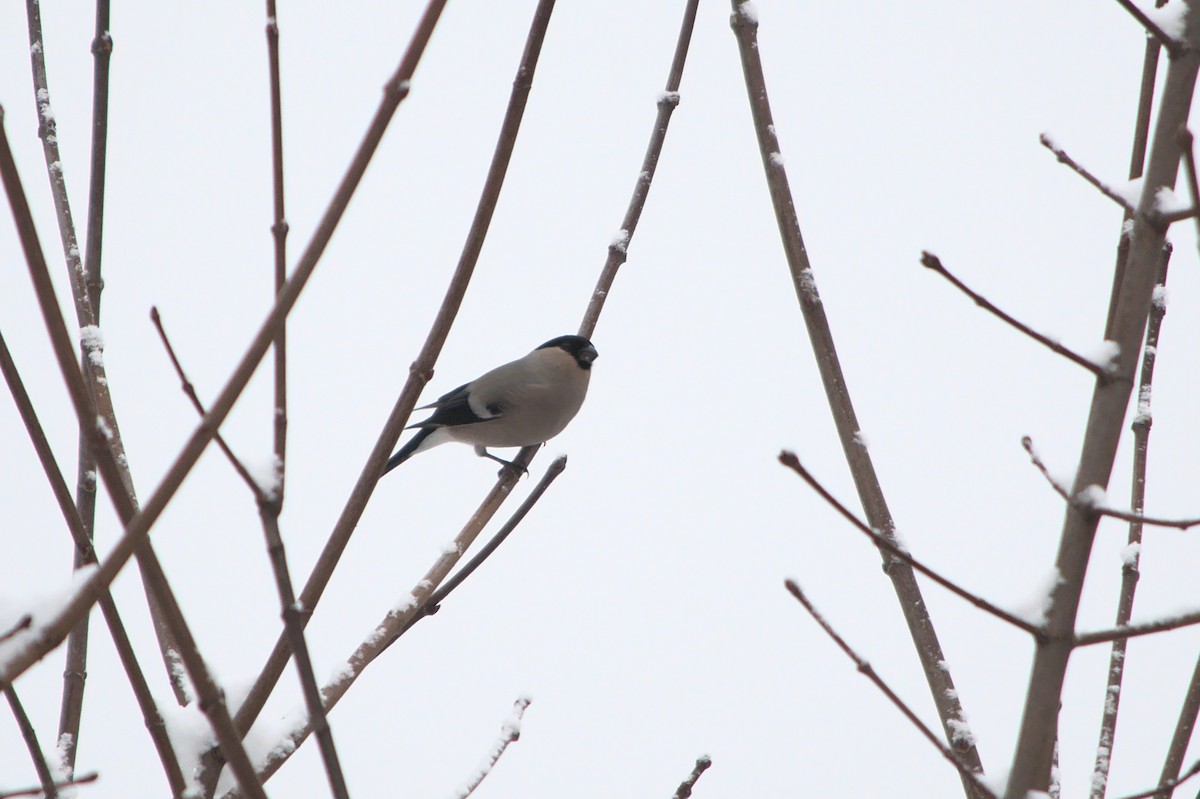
[577, 347]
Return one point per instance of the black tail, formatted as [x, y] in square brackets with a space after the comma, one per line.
[406, 452]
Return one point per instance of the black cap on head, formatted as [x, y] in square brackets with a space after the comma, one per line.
[577, 346]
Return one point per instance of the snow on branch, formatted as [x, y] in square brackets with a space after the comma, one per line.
[510, 732]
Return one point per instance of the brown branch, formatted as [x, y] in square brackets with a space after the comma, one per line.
[1086, 502]
[908, 592]
[685, 788]
[932, 262]
[399, 619]
[1117, 660]
[1188, 146]
[1170, 776]
[85, 554]
[45, 776]
[83, 779]
[868, 671]
[619, 248]
[1166, 787]
[51, 634]
[1080, 170]
[894, 550]
[1135, 630]
[294, 616]
[279, 231]
[1031, 762]
[433, 604]
[509, 733]
[1170, 44]
[138, 527]
[422, 368]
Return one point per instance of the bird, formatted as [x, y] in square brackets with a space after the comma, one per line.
[524, 402]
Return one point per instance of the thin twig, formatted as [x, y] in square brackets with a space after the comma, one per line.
[868, 671]
[932, 262]
[1136, 630]
[1080, 170]
[422, 368]
[53, 632]
[45, 776]
[894, 550]
[1085, 503]
[1169, 777]
[294, 616]
[1188, 145]
[510, 732]
[279, 231]
[744, 22]
[82, 779]
[619, 248]
[1117, 661]
[433, 604]
[401, 618]
[685, 788]
[1171, 45]
[1166, 787]
[85, 554]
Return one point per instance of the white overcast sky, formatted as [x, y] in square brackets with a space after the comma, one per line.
[641, 604]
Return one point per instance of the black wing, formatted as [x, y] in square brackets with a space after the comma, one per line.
[453, 409]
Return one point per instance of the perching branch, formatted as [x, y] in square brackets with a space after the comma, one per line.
[619, 248]
[685, 788]
[894, 550]
[868, 671]
[1129, 572]
[294, 616]
[509, 733]
[433, 604]
[908, 592]
[45, 776]
[422, 369]
[399, 619]
[1086, 502]
[932, 262]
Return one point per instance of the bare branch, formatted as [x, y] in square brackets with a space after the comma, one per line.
[931, 261]
[1078, 169]
[1170, 777]
[868, 671]
[86, 554]
[510, 733]
[1164, 788]
[1117, 661]
[1171, 45]
[138, 527]
[790, 460]
[1131, 305]
[618, 249]
[45, 776]
[908, 592]
[294, 615]
[279, 230]
[82, 779]
[685, 788]
[422, 368]
[420, 599]
[1188, 145]
[1086, 502]
[1134, 630]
